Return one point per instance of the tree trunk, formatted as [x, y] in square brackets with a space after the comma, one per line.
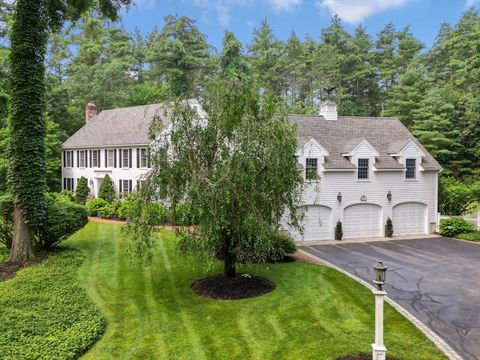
[230, 259]
[22, 249]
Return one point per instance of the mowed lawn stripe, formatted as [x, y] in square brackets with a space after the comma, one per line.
[152, 313]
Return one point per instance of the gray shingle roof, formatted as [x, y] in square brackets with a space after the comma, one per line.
[117, 127]
[387, 135]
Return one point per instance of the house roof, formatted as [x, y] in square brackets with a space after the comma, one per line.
[386, 135]
[118, 127]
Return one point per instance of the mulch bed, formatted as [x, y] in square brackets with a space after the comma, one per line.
[242, 286]
[8, 270]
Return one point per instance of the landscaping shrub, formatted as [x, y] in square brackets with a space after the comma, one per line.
[82, 191]
[183, 215]
[94, 206]
[388, 228]
[457, 197]
[63, 219]
[109, 211]
[46, 314]
[124, 209]
[453, 226]
[107, 190]
[338, 230]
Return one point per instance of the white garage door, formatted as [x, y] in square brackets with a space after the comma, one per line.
[361, 220]
[409, 218]
[317, 223]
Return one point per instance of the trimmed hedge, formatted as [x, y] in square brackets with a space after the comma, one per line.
[63, 219]
[46, 314]
[181, 215]
[454, 226]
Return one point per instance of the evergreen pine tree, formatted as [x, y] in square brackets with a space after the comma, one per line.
[107, 190]
[82, 191]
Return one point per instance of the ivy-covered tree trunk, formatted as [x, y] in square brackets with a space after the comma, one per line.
[27, 145]
[22, 238]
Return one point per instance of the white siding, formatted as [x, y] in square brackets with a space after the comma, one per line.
[324, 192]
[95, 175]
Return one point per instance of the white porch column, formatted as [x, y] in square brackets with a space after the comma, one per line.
[379, 349]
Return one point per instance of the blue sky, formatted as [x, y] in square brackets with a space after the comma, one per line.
[301, 16]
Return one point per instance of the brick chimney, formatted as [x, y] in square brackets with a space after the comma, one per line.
[90, 111]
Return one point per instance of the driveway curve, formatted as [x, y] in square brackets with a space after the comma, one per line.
[435, 279]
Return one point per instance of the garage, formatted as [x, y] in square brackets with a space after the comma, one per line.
[409, 218]
[317, 223]
[361, 220]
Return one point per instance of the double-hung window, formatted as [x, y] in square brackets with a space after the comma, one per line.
[143, 158]
[68, 184]
[411, 165]
[81, 158]
[68, 159]
[125, 158]
[363, 169]
[110, 158]
[96, 158]
[311, 169]
[125, 186]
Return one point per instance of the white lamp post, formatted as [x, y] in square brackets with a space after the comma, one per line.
[379, 349]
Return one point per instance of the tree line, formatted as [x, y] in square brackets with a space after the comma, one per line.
[434, 92]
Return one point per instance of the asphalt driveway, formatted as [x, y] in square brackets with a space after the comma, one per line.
[436, 279]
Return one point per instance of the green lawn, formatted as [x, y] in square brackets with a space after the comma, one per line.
[314, 313]
[471, 236]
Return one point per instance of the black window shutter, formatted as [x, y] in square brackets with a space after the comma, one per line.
[106, 157]
[148, 158]
[64, 183]
[114, 158]
[138, 157]
[129, 158]
[64, 160]
[120, 164]
[78, 158]
[91, 162]
[129, 185]
[120, 186]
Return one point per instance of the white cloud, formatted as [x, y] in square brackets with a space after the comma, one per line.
[355, 11]
[222, 10]
[283, 5]
[470, 3]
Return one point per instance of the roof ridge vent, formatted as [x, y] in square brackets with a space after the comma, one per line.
[328, 110]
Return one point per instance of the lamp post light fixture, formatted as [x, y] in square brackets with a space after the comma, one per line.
[379, 349]
[389, 195]
[339, 197]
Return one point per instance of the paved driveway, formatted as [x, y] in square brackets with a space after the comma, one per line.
[437, 280]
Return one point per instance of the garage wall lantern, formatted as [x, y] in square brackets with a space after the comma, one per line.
[339, 197]
[389, 195]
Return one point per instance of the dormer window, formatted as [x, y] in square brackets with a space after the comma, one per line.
[311, 169]
[411, 165]
[363, 169]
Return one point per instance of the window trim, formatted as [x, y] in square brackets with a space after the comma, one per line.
[125, 158]
[112, 163]
[414, 169]
[143, 157]
[82, 164]
[367, 178]
[310, 168]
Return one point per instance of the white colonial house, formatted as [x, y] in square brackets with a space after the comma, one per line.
[359, 170]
